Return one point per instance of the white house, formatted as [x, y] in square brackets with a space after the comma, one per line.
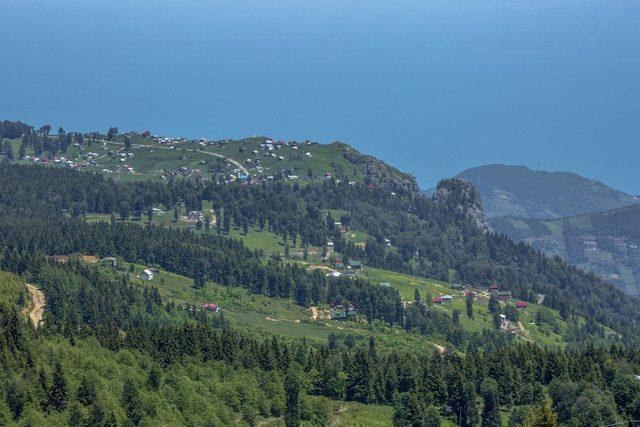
[147, 274]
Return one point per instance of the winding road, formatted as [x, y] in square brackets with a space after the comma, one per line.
[228, 159]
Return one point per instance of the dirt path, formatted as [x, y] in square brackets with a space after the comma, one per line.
[35, 309]
[105, 155]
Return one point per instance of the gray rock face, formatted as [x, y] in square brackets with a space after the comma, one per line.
[381, 173]
[462, 197]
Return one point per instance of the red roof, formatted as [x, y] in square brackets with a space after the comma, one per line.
[522, 304]
[493, 287]
[213, 307]
[370, 186]
[437, 299]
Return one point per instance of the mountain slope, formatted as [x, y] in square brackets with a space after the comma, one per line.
[521, 192]
[606, 243]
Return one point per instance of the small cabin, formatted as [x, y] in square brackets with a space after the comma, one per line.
[504, 295]
[109, 260]
[357, 265]
[211, 307]
[146, 274]
[522, 304]
[339, 315]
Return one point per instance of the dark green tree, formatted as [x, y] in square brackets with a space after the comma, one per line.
[490, 409]
[292, 387]
[469, 304]
[131, 402]
[58, 391]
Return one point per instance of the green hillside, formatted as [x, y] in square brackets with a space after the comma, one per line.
[606, 243]
[134, 157]
[337, 302]
[287, 318]
[521, 192]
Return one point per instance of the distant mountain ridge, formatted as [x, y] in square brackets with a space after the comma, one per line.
[518, 191]
[606, 243]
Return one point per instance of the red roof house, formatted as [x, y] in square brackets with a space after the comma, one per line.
[493, 288]
[522, 304]
[211, 307]
[437, 300]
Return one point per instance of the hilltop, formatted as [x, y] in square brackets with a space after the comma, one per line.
[142, 156]
[518, 191]
[606, 243]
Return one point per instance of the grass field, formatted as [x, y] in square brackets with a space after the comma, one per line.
[483, 319]
[150, 157]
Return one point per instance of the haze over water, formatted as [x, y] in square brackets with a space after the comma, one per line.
[432, 87]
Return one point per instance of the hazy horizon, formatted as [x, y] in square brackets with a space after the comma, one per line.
[431, 88]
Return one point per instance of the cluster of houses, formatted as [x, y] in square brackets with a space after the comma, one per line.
[505, 296]
[58, 161]
[502, 295]
[343, 312]
[181, 171]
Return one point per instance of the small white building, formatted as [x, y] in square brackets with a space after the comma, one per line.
[146, 274]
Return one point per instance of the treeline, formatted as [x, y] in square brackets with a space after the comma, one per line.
[594, 385]
[13, 130]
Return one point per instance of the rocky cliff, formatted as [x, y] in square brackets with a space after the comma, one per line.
[461, 197]
[380, 173]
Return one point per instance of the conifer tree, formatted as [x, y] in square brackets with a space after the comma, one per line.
[292, 387]
[490, 410]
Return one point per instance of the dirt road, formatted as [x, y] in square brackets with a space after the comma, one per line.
[35, 309]
[159, 147]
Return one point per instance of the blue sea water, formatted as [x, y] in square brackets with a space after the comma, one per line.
[432, 87]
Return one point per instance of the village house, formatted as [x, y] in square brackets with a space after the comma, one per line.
[504, 296]
[356, 265]
[522, 304]
[211, 307]
[109, 260]
[344, 313]
[146, 274]
[493, 288]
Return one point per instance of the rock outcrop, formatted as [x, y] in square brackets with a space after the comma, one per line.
[380, 173]
[461, 197]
